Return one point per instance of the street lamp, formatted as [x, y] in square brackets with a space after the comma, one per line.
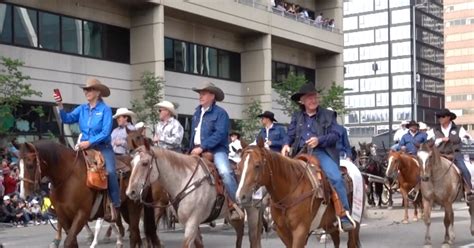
[415, 84]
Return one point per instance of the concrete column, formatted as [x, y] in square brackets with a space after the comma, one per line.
[329, 68]
[256, 70]
[147, 43]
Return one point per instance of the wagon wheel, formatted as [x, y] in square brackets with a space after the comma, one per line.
[387, 195]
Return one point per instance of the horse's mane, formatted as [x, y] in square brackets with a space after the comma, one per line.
[49, 150]
[176, 160]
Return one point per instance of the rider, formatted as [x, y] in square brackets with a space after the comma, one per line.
[448, 138]
[402, 130]
[169, 132]
[209, 133]
[315, 127]
[235, 147]
[119, 134]
[95, 123]
[272, 132]
[412, 140]
[343, 145]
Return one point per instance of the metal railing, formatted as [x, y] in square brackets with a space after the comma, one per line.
[297, 17]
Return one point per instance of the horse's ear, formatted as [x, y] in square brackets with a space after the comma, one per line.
[29, 147]
[260, 142]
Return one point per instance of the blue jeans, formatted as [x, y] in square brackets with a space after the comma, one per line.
[113, 186]
[332, 172]
[227, 174]
[459, 162]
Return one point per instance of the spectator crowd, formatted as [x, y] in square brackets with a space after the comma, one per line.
[302, 14]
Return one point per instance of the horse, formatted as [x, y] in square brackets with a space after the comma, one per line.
[71, 198]
[294, 205]
[408, 174]
[368, 163]
[189, 185]
[441, 184]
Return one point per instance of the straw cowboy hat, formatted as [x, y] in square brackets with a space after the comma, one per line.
[94, 83]
[423, 126]
[140, 125]
[167, 105]
[404, 123]
[305, 89]
[124, 111]
[446, 112]
[210, 87]
[268, 114]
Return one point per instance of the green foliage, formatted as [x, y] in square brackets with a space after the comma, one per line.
[334, 98]
[152, 94]
[249, 126]
[285, 89]
[12, 90]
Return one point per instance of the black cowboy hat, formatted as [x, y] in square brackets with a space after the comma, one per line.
[305, 89]
[235, 133]
[412, 123]
[269, 115]
[446, 112]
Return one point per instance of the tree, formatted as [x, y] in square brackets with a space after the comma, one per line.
[152, 94]
[334, 98]
[285, 89]
[250, 126]
[13, 90]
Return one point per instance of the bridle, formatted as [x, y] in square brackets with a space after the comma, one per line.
[37, 171]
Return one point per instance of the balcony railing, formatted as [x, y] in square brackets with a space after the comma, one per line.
[297, 17]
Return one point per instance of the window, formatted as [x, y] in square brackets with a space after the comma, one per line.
[366, 69]
[401, 81]
[280, 71]
[357, 6]
[381, 35]
[401, 98]
[400, 32]
[399, 3]
[401, 16]
[352, 117]
[374, 52]
[360, 101]
[71, 35]
[361, 131]
[350, 23]
[351, 54]
[381, 99]
[352, 85]
[180, 54]
[381, 4]
[358, 38]
[373, 84]
[5, 23]
[49, 31]
[401, 48]
[25, 27]
[92, 39]
[402, 114]
[373, 20]
[375, 115]
[401, 65]
[116, 39]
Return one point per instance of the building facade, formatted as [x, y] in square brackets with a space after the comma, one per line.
[459, 56]
[381, 64]
[239, 45]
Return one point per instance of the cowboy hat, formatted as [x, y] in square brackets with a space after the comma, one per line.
[140, 125]
[412, 123]
[307, 88]
[6, 197]
[423, 126]
[404, 123]
[446, 112]
[124, 111]
[210, 87]
[94, 83]
[269, 115]
[167, 105]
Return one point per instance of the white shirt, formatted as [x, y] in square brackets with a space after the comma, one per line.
[462, 134]
[319, 19]
[197, 135]
[267, 129]
[399, 134]
[234, 147]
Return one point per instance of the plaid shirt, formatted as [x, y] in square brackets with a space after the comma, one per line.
[169, 133]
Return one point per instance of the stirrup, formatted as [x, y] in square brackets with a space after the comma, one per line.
[413, 194]
[339, 222]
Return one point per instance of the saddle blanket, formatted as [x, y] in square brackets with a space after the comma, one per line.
[470, 166]
[358, 189]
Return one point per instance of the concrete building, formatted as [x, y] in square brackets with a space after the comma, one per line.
[381, 64]
[240, 45]
[459, 59]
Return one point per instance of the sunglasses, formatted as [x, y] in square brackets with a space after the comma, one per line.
[88, 89]
[442, 116]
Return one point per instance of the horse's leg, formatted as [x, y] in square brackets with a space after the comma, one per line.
[191, 231]
[90, 233]
[150, 227]
[118, 229]
[471, 212]
[57, 240]
[284, 234]
[133, 211]
[77, 224]
[254, 221]
[427, 205]
[335, 236]
[404, 193]
[198, 243]
[379, 192]
[415, 213]
[448, 225]
[98, 227]
[239, 230]
[300, 236]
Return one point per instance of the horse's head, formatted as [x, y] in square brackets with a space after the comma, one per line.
[394, 160]
[251, 169]
[426, 156]
[363, 154]
[135, 138]
[144, 171]
[30, 170]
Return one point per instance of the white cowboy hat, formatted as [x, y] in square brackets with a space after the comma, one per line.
[140, 125]
[124, 111]
[423, 126]
[167, 105]
[404, 123]
[34, 201]
[6, 197]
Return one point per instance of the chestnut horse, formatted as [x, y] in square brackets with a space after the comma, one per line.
[441, 184]
[408, 175]
[71, 198]
[294, 205]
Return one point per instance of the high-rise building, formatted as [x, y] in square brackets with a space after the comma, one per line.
[381, 66]
[459, 57]
[239, 45]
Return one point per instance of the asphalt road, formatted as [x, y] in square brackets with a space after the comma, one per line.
[381, 228]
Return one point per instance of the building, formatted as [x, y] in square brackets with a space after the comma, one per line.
[379, 64]
[459, 57]
[240, 45]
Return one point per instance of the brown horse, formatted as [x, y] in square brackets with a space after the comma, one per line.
[441, 184]
[71, 198]
[294, 205]
[408, 170]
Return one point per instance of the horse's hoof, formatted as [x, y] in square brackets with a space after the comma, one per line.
[445, 245]
[55, 243]
[427, 246]
[415, 219]
[119, 245]
[405, 222]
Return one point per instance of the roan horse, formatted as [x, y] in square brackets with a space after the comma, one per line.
[441, 184]
[71, 198]
[293, 206]
[408, 174]
[369, 164]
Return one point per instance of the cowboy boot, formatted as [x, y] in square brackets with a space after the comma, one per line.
[346, 224]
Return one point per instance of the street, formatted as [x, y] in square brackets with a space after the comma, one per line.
[381, 228]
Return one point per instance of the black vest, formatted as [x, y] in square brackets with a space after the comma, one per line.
[454, 143]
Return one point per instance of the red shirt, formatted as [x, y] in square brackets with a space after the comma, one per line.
[10, 184]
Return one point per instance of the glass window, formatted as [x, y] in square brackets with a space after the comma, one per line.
[357, 6]
[93, 39]
[401, 16]
[381, 99]
[352, 85]
[71, 35]
[381, 35]
[48, 31]
[401, 98]
[180, 56]
[401, 81]
[374, 52]
[399, 3]
[25, 27]
[352, 117]
[402, 114]
[366, 69]
[373, 20]
[373, 84]
[234, 67]
[360, 101]
[375, 115]
[5, 23]
[401, 65]
[350, 23]
[361, 131]
[351, 54]
[210, 61]
[358, 38]
[381, 4]
[400, 32]
[401, 48]
[224, 64]
[116, 43]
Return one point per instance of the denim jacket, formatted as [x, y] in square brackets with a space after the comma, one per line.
[214, 129]
[276, 134]
[343, 145]
[412, 141]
